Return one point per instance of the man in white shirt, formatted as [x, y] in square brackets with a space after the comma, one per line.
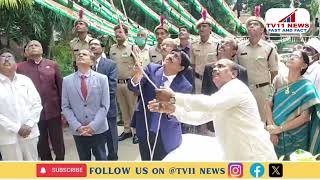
[239, 129]
[312, 48]
[20, 110]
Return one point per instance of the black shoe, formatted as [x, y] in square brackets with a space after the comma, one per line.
[124, 136]
[112, 157]
[120, 123]
[135, 139]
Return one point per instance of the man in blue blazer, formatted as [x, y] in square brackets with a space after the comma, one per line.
[108, 67]
[85, 104]
[170, 74]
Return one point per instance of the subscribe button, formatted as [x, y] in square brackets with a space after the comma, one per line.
[61, 170]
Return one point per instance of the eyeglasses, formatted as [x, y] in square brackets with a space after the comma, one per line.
[8, 58]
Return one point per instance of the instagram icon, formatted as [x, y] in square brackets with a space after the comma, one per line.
[235, 170]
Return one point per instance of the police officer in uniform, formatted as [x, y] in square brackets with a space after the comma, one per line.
[162, 32]
[120, 53]
[204, 51]
[260, 59]
[141, 42]
[82, 40]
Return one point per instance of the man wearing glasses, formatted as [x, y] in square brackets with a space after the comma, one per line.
[20, 110]
[169, 75]
[312, 48]
[45, 75]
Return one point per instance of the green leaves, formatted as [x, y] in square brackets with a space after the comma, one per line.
[15, 4]
[62, 55]
[315, 8]
[22, 25]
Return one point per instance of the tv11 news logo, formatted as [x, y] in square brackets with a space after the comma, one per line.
[287, 20]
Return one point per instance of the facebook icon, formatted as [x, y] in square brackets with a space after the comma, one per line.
[256, 170]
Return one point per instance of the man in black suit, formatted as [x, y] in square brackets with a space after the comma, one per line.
[227, 49]
[107, 67]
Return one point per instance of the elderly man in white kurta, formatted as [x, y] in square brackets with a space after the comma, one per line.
[20, 107]
[239, 129]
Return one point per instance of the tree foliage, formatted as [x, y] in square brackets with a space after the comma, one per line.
[21, 25]
[315, 8]
[35, 22]
[15, 4]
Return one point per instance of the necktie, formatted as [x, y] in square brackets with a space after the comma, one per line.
[84, 88]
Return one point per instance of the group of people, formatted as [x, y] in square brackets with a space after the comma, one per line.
[209, 85]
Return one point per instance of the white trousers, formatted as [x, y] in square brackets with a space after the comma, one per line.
[23, 150]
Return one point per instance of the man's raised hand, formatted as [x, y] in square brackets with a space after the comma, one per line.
[161, 107]
[164, 95]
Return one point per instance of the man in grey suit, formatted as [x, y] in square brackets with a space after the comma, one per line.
[108, 67]
[85, 104]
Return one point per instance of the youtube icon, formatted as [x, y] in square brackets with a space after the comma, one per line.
[61, 170]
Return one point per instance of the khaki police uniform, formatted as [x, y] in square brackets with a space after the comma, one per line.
[255, 59]
[155, 55]
[155, 51]
[145, 58]
[77, 45]
[202, 54]
[121, 55]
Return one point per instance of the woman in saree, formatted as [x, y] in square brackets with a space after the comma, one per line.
[293, 114]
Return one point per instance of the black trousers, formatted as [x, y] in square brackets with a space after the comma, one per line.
[112, 138]
[159, 152]
[51, 129]
[95, 144]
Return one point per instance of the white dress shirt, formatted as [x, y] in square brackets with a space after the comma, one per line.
[169, 80]
[97, 63]
[167, 83]
[20, 104]
[238, 127]
[313, 74]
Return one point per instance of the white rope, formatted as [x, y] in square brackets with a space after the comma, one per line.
[151, 151]
[124, 10]
[156, 138]
[145, 120]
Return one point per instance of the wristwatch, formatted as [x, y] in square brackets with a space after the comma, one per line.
[172, 99]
